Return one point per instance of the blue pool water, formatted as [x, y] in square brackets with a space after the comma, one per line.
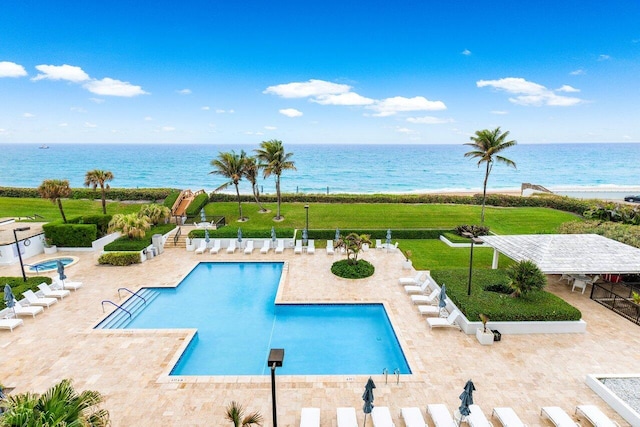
[49, 264]
[232, 306]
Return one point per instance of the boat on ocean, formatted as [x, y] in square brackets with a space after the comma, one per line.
[44, 147]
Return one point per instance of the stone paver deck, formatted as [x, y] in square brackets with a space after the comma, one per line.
[524, 372]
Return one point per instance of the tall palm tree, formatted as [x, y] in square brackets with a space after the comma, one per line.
[487, 144]
[100, 178]
[251, 171]
[274, 161]
[60, 405]
[235, 414]
[232, 166]
[55, 190]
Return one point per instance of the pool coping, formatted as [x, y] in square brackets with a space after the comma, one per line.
[74, 261]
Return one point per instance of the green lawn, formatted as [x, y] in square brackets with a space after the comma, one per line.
[17, 207]
[434, 254]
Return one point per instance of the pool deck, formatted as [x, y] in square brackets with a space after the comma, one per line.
[524, 372]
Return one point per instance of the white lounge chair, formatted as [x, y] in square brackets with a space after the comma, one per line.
[508, 417]
[432, 298]
[280, 246]
[310, 417]
[311, 247]
[429, 310]
[476, 417]
[417, 289]
[379, 244]
[203, 247]
[249, 248]
[413, 417]
[265, 247]
[347, 417]
[330, 250]
[50, 293]
[558, 416]
[440, 415]
[66, 284]
[216, 247]
[298, 248]
[10, 324]
[412, 280]
[232, 246]
[34, 299]
[381, 417]
[595, 416]
[442, 322]
[26, 311]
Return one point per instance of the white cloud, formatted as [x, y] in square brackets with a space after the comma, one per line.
[97, 100]
[221, 111]
[112, 87]
[61, 72]
[577, 72]
[406, 131]
[167, 128]
[391, 106]
[3, 131]
[11, 69]
[428, 120]
[499, 112]
[63, 125]
[567, 88]
[603, 57]
[184, 91]
[347, 98]
[466, 52]
[270, 127]
[78, 110]
[529, 93]
[307, 89]
[253, 133]
[148, 119]
[28, 115]
[290, 112]
[90, 125]
[205, 108]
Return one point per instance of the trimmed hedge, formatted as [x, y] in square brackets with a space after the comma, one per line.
[171, 198]
[70, 235]
[231, 232]
[196, 205]
[18, 286]
[535, 306]
[347, 270]
[88, 193]
[126, 244]
[119, 258]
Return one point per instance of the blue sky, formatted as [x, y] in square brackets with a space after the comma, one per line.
[406, 72]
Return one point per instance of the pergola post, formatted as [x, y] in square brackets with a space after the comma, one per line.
[496, 256]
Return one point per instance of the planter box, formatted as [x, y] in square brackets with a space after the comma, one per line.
[50, 250]
[484, 338]
[407, 265]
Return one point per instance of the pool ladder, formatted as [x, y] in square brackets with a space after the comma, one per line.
[396, 372]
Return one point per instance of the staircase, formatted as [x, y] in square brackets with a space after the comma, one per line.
[119, 319]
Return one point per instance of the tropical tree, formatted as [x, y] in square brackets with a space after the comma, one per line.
[61, 405]
[156, 213]
[100, 178]
[273, 161]
[524, 277]
[133, 225]
[352, 243]
[55, 190]
[235, 414]
[232, 166]
[251, 171]
[487, 144]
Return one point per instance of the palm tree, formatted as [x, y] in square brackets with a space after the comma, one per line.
[487, 144]
[60, 405]
[274, 161]
[55, 190]
[97, 178]
[133, 225]
[156, 213]
[352, 243]
[231, 166]
[235, 414]
[251, 171]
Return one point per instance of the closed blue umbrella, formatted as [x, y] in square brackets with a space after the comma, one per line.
[61, 270]
[305, 236]
[368, 398]
[239, 235]
[388, 238]
[9, 299]
[206, 235]
[337, 234]
[203, 216]
[466, 399]
[442, 297]
[273, 234]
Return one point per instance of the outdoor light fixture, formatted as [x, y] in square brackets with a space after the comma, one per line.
[276, 356]
[15, 237]
[473, 239]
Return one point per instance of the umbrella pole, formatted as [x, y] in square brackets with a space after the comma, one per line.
[365, 420]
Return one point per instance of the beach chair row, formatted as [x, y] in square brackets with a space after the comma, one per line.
[267, 245]
[442, 417]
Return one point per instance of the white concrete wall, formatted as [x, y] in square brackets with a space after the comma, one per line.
[35, 247]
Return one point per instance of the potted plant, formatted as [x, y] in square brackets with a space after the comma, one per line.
[484, 336]
[407, 264]
[49, 247]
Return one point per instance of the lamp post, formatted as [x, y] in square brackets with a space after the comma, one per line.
[15, 237]
[276, 356]
[306, 208]
[473, 239]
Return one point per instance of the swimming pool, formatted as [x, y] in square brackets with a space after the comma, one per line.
[50, 264]
[232, 307]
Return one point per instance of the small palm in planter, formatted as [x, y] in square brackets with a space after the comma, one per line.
[235, 414]
[407, 260]
[484, 336]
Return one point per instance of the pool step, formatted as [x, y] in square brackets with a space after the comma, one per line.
[119, 319]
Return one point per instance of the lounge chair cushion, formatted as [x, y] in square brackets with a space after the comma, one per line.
[412, 417]
[310, 417]
[347, 417]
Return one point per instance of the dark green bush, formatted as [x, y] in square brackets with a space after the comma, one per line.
[346, 270]
[171, 198]
[119, 258]
[196, 205]
[88, 193]
[230, 232]
[101, 221]
[18, 286]
[535, 306]
[70, 235]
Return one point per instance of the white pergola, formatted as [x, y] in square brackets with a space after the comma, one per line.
[567, 253]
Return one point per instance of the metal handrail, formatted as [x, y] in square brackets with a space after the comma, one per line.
[177, 236]
[132, 293]
[117, 307]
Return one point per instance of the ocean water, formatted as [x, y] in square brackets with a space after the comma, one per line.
[331, 168]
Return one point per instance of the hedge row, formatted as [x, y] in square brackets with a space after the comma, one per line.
[70, 235]
[18, 286]
[196, 205]
[119, 258]
[88, 193]
[171, 198]
[625, 233]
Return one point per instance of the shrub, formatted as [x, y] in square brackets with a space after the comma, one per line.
[525, 277]
[624, 233]
[196, 205]
[476, 230]
[346, 270]
[101, 222]
[71, 235]
[18, 286]
[126, 244]
[119, 258]
[88, 193]
[171, 198]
